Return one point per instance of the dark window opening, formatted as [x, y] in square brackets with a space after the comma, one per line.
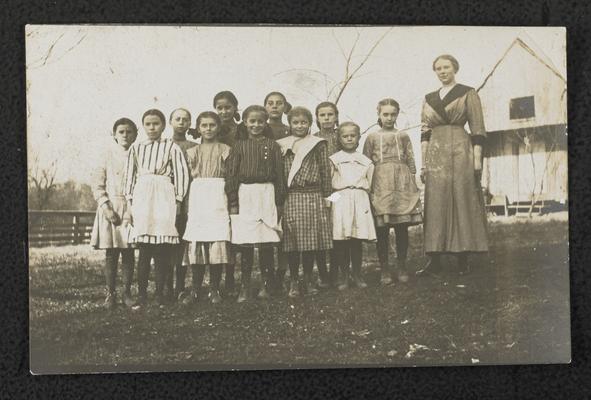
[522, 107]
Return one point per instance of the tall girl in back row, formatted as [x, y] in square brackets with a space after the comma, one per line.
[156, 181]
[327, 120]
[394, 194]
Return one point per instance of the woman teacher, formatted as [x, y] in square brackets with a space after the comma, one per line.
[455, 222]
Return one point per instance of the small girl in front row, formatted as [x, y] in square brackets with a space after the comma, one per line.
[109, 231]
[156, 181]
[255, 187]
[208, 223]
[306, 222]
[394, 193]
[351, 210]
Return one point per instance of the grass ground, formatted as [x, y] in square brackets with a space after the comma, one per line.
[513, 308]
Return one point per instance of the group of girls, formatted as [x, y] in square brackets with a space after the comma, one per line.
[252, 182]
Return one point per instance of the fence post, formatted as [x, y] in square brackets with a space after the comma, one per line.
[76, 226]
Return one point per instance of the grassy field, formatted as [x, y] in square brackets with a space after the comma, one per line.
[513, 308]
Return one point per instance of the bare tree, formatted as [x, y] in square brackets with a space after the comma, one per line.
[41, 182]
[350, 70]
[528, 136]
[335, 88]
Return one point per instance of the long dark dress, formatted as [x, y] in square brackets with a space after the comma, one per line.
[454, 209]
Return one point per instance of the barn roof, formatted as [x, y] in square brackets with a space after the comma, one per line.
[539, 55]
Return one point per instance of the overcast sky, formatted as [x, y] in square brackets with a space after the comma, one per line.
[80, 79]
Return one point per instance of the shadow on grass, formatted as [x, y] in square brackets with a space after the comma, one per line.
[513, 308]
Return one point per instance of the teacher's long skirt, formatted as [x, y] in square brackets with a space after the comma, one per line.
[454, 206]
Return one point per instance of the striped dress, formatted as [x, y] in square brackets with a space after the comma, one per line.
[306, 220]
[156, 177]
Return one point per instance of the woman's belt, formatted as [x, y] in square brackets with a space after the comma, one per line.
[390, 160]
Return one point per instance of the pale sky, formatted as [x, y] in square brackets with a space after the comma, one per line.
[81, 78]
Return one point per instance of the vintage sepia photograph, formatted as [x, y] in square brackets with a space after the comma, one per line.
[232, 197]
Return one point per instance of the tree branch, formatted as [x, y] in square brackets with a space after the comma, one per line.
[348, 76]
[339, 45]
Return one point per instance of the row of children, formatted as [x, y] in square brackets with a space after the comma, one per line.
[257, 183]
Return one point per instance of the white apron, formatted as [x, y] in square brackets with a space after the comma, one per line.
[257, 218]
[154, 209]
[208, 217]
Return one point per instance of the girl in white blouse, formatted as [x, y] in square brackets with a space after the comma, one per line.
[352, 219]
[110, 229]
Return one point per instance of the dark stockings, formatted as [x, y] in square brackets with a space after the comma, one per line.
[161, 253]
[307, 258]
[401, 234]
[327, 275]
[111, 261]
[266, 264]
[246, 265]
[348, 253]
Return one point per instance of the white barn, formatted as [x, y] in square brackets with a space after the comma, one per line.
[524, 105]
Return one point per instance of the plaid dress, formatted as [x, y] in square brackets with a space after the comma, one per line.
[306, 220]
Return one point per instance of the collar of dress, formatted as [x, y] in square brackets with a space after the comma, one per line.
[344, 157]
[438, 104]
[150, 141]
[305, 146]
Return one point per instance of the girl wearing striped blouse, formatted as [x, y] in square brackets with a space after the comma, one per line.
[232, 130]
[255, 188]
[156, 181]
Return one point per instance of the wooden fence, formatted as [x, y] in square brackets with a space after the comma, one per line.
[60, 227]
